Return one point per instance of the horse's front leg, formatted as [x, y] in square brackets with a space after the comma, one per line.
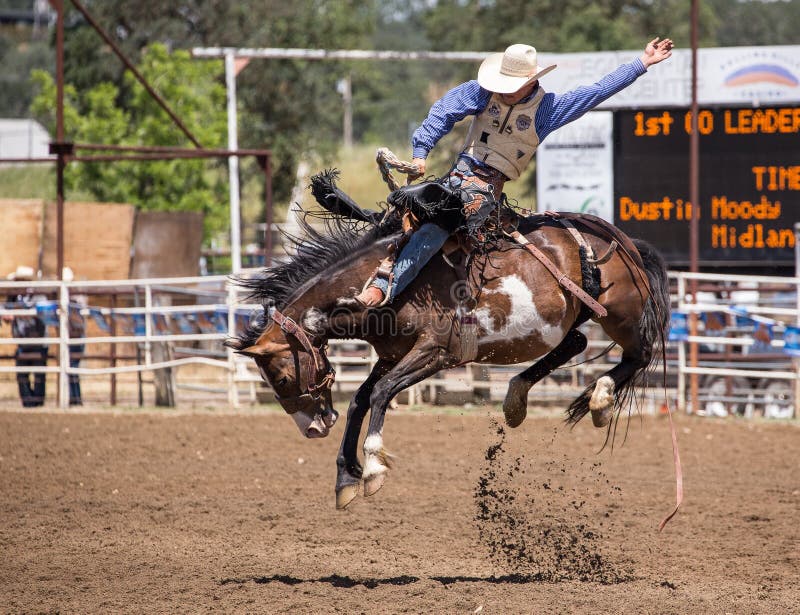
[417, 365]
[348, 468]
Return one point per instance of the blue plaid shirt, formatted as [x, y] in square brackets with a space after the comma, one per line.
[554, 111]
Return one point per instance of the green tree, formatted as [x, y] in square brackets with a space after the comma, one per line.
[194, 91]
[754, 22]
[289, 107]
[18, 59]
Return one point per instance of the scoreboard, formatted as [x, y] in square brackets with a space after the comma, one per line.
[749, 183]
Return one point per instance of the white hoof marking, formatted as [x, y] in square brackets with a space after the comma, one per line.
[603, 395]
[373, 446]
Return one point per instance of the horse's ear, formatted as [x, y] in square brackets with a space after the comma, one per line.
[233, 342]
[252, 351]
[260, 349]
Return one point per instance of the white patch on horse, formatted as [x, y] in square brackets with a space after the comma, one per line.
[373, 444]
[314, 321]
[522, 321]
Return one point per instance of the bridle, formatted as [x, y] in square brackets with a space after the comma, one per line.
[321, 374]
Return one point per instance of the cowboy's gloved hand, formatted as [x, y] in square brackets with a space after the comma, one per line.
[656, 51]
[420, 164]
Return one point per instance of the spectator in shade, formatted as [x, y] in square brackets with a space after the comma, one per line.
[31, 386]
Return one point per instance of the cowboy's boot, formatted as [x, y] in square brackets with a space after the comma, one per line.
[371, 296]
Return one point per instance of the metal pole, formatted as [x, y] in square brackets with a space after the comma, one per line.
[339, 54]
[63, 346]
[694, 220]
[113, 350]
[63, 354]
[268, 204]
[233, 391]
[233, 163]
[797, 317]
[681, 353]
[347, 119]
[58, 5]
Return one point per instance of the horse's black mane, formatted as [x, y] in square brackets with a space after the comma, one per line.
[312, 251]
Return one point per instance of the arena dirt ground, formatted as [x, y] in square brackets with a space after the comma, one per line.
[190, 513]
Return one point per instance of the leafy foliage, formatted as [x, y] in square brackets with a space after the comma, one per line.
[18, 60]
[96, 116]
[289, 107]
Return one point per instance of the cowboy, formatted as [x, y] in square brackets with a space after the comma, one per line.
[512, 115]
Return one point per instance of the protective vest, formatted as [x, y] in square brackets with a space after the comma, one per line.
[503, 136]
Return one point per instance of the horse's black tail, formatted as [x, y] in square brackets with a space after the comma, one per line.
[652, 333]
[655, 319]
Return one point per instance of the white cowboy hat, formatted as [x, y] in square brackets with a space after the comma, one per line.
[23, 272]
[507, 72]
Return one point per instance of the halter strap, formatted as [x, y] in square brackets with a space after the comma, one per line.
[320, 373]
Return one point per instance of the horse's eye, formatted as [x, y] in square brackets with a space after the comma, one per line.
[282, 381]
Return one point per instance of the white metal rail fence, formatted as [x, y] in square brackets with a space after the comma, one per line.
[152, 322]
[748, 337]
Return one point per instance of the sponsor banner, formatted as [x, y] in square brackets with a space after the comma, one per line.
[574, 167]
[726, 76]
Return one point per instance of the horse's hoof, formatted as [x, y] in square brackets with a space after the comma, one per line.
[601, 403]
[601, 418]
[514, 419]
[515, 406]
[373, 484]
[345, 495]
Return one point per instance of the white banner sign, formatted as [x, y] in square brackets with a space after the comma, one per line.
[574, 167]
[726, 75]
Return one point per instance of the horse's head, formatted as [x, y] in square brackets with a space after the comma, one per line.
[291, 357]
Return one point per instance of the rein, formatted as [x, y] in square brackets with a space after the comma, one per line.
[321, 375]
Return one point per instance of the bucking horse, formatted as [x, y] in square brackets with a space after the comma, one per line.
[501, 305]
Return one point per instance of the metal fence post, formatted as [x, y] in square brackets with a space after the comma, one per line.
[233, 391]
[148, 323]
[63, 345]
[681, 394]
[796, 360]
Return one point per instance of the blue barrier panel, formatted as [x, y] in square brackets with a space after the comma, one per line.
[678, 327]
[791, 340]
[47, 312]
[99, 319]
[220, 320]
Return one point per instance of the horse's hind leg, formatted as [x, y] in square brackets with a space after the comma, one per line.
[515, 406]
[615, 386]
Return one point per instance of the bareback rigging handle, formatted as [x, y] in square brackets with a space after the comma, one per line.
[387, 161]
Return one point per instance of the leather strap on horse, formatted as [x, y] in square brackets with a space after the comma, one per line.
[676, 458]
[560, 276]
[320, 373]
[579, 239]
[625, 245]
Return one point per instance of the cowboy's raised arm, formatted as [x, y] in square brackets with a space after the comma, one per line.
[557, 110]
[656, 51]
